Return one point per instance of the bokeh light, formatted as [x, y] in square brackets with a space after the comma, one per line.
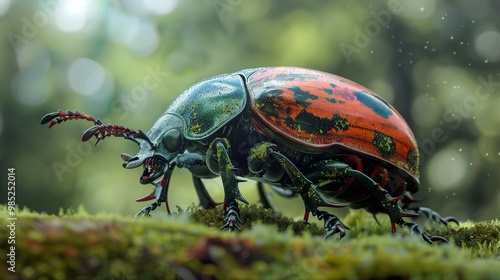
[72, 16]
[4, 7]
[487, 44]
[85, 76]
[447, 169]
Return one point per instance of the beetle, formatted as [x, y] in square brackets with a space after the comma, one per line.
[302, 131]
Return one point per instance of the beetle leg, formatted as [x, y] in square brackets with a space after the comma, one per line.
[206, 201]
[265, 198]
[162, 196]
[220, 147]
[307, 190]
[431, 214]
[391, 206]
[197, 165]
[332, 223]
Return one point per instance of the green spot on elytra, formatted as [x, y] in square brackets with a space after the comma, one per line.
[312, 124]
[412, 159]
[384, 144]
[334, 101]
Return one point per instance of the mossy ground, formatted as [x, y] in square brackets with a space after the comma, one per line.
[189, 245]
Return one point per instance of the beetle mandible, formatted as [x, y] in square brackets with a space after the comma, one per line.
[309, 133]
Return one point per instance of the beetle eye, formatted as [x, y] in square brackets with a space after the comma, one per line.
[172, 140]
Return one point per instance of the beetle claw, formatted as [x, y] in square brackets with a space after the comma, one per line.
[232, 217]
[415, 229]
[447, 220]
[144, 212]
[333, 224]
[433, 215]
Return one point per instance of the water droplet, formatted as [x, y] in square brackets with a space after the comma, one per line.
[461, 150]
[451, 37]
[470, 163]
[485, 61]
[487, 154]
[473, 21]
[422, 8]
[452, 158]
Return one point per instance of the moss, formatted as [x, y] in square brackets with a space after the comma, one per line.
[76, 245]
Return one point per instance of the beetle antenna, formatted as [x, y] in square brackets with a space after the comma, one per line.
[62, 116]
[99, 130]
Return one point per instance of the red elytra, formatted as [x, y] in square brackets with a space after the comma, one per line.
[318, 110]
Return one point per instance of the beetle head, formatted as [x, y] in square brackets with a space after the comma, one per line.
[165, 142]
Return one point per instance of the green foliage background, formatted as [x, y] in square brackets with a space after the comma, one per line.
[427, 58]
